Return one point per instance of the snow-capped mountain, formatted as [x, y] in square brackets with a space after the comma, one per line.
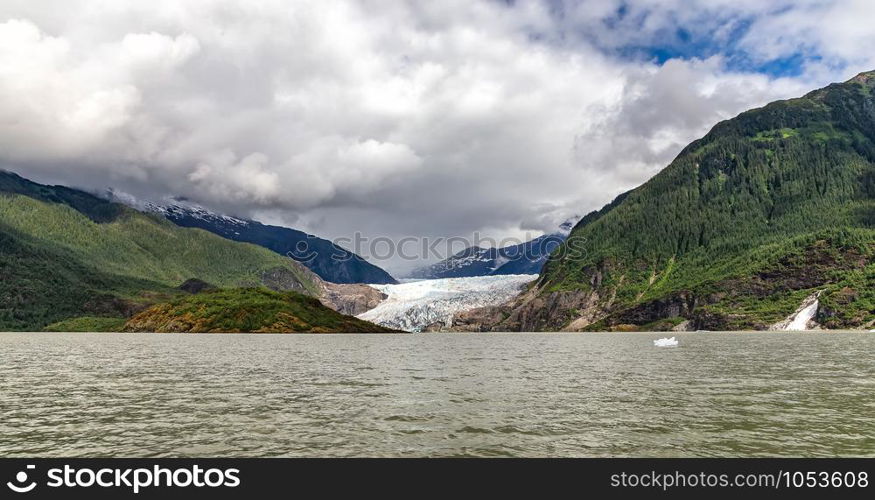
[178, 209]
[432, 304]
[524, 258]
[331, 262]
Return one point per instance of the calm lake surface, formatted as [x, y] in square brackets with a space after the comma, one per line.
[717, 394]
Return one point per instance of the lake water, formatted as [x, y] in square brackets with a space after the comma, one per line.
[717, 394]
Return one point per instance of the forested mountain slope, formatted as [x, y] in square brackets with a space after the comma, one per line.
[65, 253]
[331, 262]
[765, 210]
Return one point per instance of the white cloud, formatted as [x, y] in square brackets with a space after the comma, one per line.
[662, 109]
[64, 102]
[390, 118]
[51, 108]
[248, 179]
[145, 53]
[334, 165]
[837, 32]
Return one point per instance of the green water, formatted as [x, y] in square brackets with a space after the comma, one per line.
[530, 395]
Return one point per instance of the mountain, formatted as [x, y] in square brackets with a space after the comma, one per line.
[771, 210]
[331, 262]
[72, 257]
[247, 310]
[524, 258]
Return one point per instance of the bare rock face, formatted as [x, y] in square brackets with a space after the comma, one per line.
[350, 299]
[552, 311]
[482, 319]
[437, 326]
[565, 310]
[531, 312]
[683, 326]
[677, 305]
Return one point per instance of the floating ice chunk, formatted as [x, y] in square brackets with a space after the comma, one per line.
[665, 342]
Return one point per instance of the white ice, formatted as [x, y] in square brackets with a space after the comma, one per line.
[665, 342]
[414, 305]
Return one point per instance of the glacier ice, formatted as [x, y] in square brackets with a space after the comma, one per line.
[414, 305]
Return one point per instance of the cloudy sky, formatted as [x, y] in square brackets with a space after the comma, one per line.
[397, 118]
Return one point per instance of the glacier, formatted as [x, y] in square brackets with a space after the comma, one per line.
[415, 305]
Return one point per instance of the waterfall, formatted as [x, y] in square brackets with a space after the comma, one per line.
[800, 321]
[802, 316]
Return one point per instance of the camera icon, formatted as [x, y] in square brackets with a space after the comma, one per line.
[18, 486]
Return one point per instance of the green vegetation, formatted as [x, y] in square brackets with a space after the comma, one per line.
[771, 135]
[87, 324]
[67, 254]
[767, 208]
[255, 310]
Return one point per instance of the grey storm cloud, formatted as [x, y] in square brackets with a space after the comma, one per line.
[390, 119]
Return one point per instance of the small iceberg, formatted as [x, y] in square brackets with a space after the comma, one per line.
[664, 342]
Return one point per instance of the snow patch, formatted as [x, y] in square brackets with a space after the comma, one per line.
[177, 209]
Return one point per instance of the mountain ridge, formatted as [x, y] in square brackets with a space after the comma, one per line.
[747, 222]
[331, 262]
[67, 254]
[522, 258]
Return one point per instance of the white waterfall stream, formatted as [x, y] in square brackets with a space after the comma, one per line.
[800, 321]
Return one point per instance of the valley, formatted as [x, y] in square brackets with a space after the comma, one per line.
[740, 231]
